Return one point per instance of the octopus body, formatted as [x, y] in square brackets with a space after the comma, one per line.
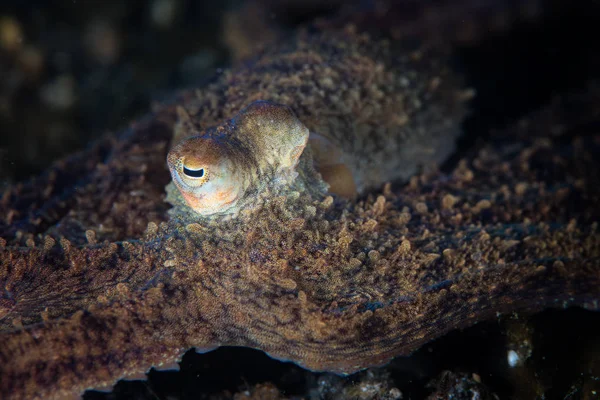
[103, 282]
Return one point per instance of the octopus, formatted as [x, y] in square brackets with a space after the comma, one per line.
[222, 169]
[227, 168]
[102, 280]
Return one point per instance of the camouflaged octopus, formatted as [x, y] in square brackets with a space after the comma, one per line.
[223, 169]
[228, 168]
[101, 281]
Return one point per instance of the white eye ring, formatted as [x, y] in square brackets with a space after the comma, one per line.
[193, 173]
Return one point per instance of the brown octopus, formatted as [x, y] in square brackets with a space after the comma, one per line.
[99, 283]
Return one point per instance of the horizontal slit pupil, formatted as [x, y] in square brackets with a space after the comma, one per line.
[194, 173]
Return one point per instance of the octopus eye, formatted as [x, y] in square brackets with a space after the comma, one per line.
[193, 173]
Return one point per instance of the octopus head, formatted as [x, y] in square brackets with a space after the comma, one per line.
[205, 175]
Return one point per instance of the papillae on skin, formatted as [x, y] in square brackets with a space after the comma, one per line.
[105, 281]
[408, 101]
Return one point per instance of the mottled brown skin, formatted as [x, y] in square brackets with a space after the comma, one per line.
[98, 286]
[229, 168]
[376, 110]
[371, 98]
[225, 169]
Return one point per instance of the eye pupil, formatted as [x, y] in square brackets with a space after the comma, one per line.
[194, 173]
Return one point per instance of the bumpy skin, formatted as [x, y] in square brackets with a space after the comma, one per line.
[237, 161]
[97, 286]
[390, 108]
[386, 109]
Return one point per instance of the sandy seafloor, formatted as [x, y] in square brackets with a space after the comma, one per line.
[73, 70]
